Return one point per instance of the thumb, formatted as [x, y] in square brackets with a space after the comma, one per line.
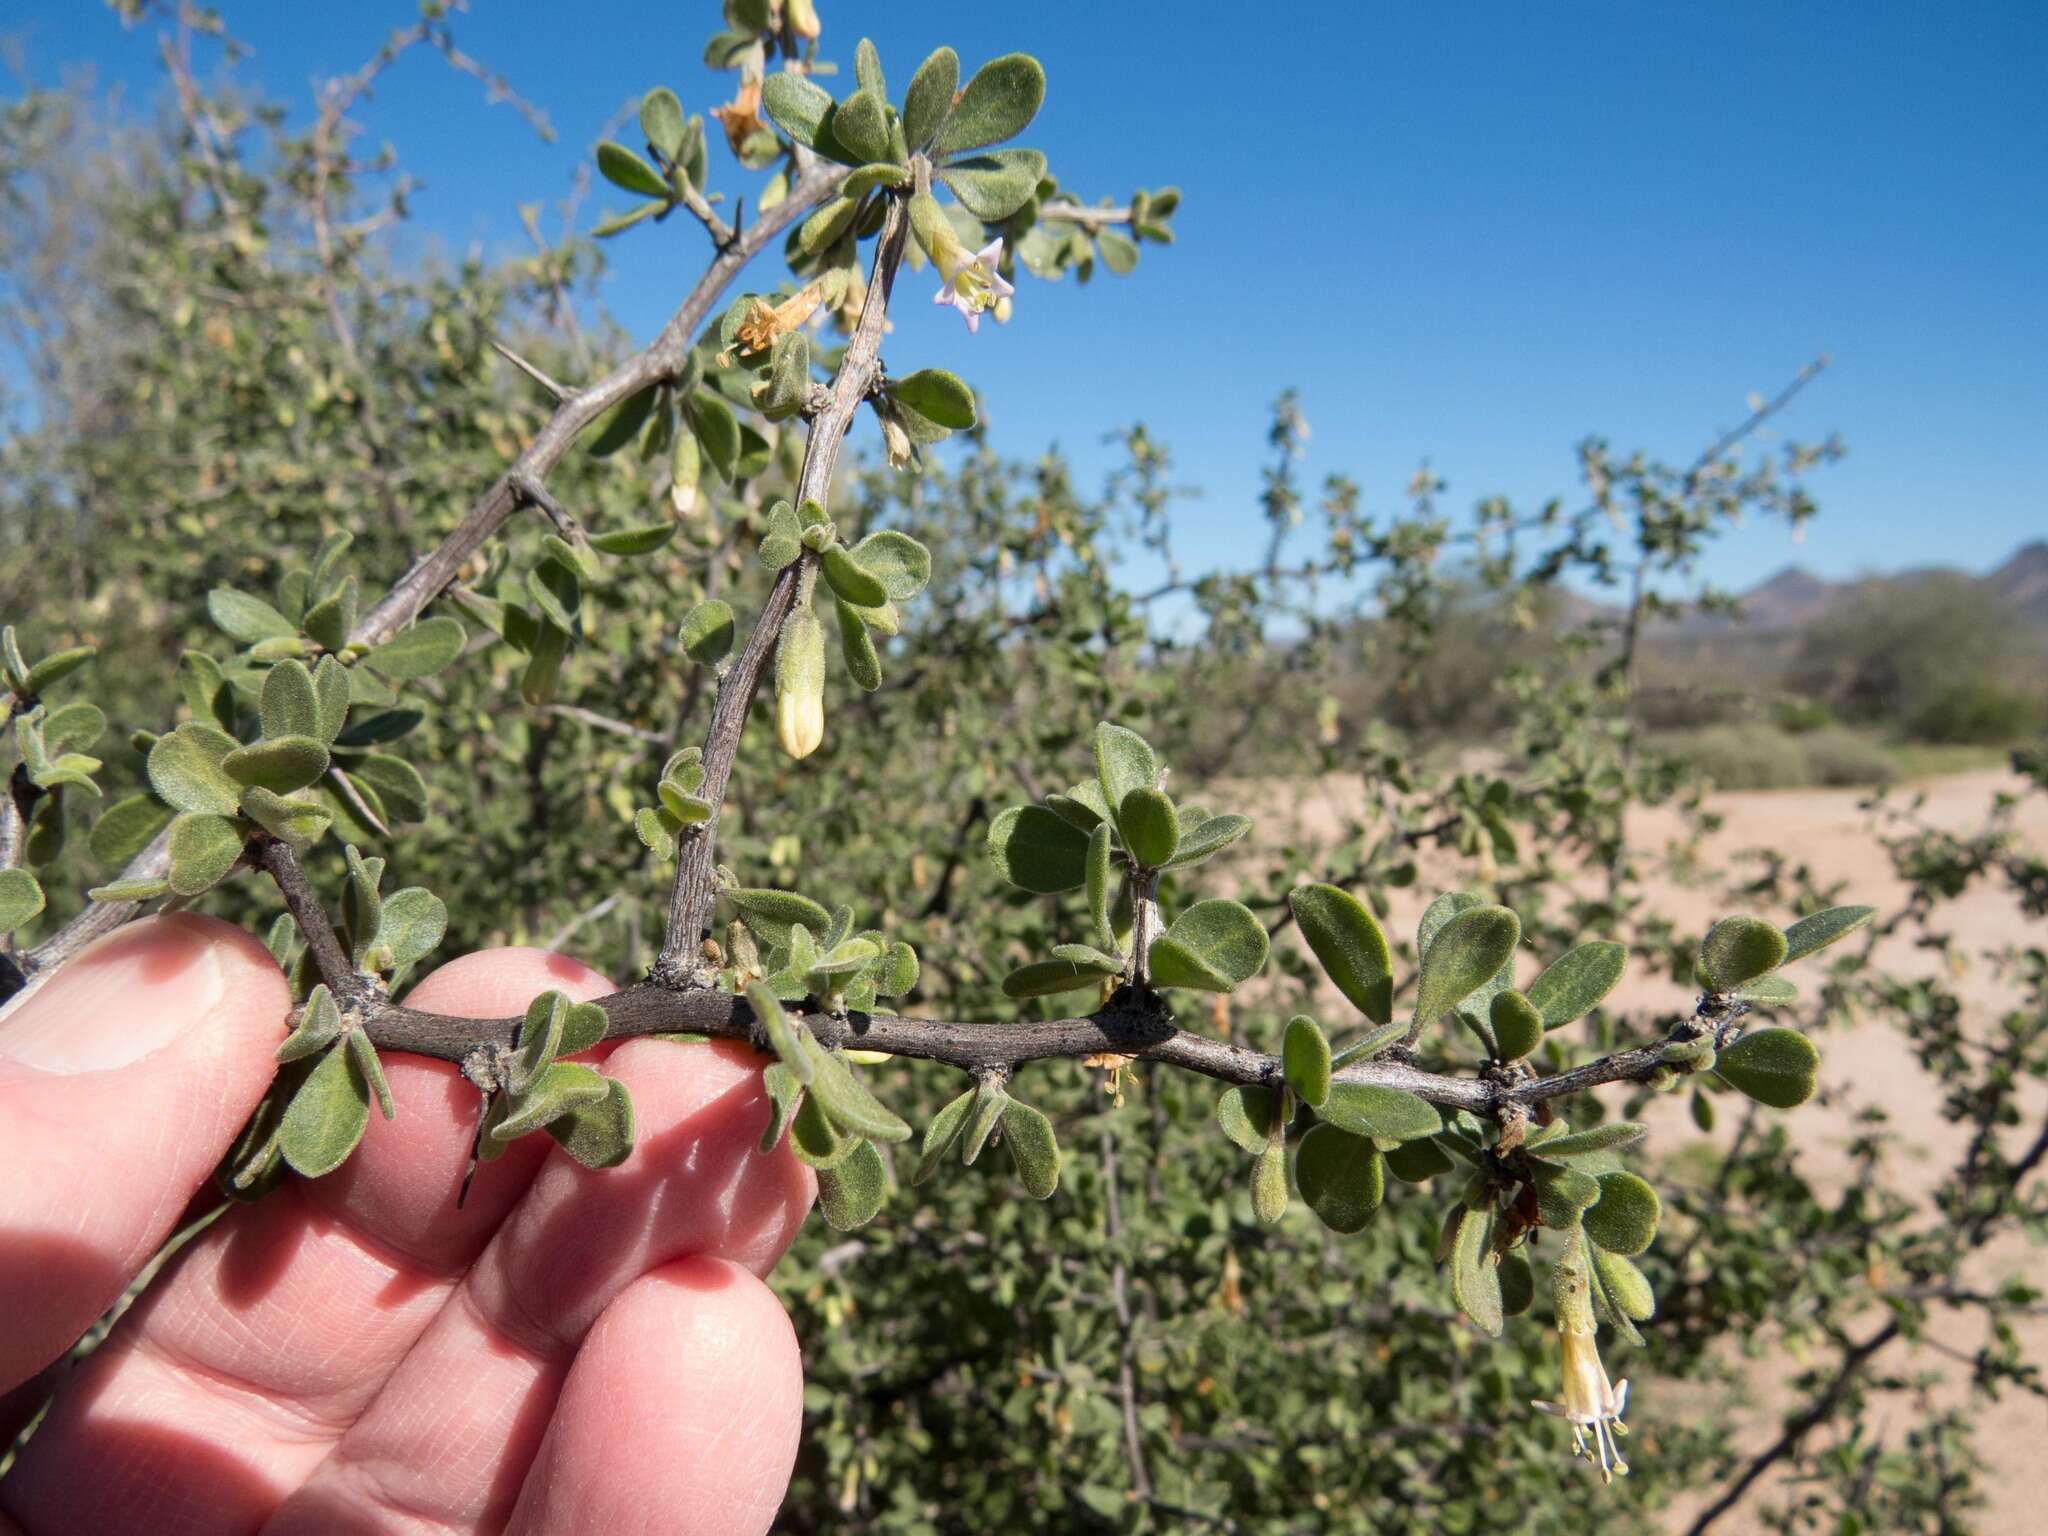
[123, 1079]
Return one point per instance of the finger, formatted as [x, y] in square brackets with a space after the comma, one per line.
[235, 1376]
[448, 1441]
[122, 1081]
[680, 1414]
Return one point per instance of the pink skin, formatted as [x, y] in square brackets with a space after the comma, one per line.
[570, 1351]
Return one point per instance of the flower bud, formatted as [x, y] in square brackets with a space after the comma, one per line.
[800, 684]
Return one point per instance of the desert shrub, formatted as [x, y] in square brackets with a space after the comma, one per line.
[1150, 1305]
[1740, 756]
[1978, 710]
[1838, 756]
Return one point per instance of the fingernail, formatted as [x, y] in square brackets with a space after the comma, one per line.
[125, 997]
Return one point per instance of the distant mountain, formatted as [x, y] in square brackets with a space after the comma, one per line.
[1795, 597]
[2023, 581]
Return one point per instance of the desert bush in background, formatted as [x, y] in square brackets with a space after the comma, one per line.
[1150, 1349]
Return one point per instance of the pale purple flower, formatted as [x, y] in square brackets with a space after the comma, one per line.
[971, 284]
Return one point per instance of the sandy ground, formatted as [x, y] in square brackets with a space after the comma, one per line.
[1868, 1063]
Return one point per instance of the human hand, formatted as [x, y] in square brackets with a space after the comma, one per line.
[570, 1351]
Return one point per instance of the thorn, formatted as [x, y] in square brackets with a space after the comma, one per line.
[529, 370]
[355, 799]
[534, 494]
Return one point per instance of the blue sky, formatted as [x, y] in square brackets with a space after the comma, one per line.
[1471, 234]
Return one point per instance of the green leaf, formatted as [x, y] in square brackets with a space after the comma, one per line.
[1305, 1058]
[1211, 947]
[815, 1140]
[1269, 1183]
[1573, 985]
[1562, 1194]
[130, 890]
[1249, 1115]
[126, 827]
[1098, 882]
[771, 913]
[185, 770]
[319, 1026]
[717, 431]
[583, 1025]
[557, 592]
[642, 540]
[846, 1099]
[1048, 978]
[861, 125]
[57, 666]
[73, 727]
[851, 580]
[785, 1094]
[797, 107]
[1626, 1286]
[993, 187]
[281, 765]
[781, 542]
[290, 705]
[1475, 1277]
[896, 975]
[365, 1056]
[1739, 949]
[1466, 953]
[330, 620]
[1034, 1149]
[823, 228]
[1517, 1025]
[327, 1116]
[1341, 1177]
[939, 395]
[1123, 762]
[1419, 1161]
[297, 823]
[21, 898]
[415, 921]
[1150, 829]
[661, 120]
[929, 98]
[1207, 839]
[1035, 849]
[902, 564]
[1823, 929]
[1350, 946]
[620, 423]
[1778, 1067]
[851, 1193]
[989, 1102]
[867, 69]
[1601, 1138]
[420, 651]
[599, 1133]
[556, 1089]
[941, 1135]
[784, 1035]
[203, 848]
[246, 619]
[708, 632]
[1383, 1113]
[1119, 251]
[622, 168]
[1624, 1219]
[998, 104]
[856, 649]
[400, 790]
[1517, 1284]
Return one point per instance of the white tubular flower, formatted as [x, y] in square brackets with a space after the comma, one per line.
[1591, 1405]
[971, 284]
